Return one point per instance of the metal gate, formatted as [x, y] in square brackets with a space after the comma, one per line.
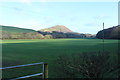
[44, 72]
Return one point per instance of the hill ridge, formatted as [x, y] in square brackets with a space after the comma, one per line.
[58, 28]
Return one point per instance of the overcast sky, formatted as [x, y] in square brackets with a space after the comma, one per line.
[83, 17]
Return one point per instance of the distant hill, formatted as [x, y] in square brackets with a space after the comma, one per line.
[10, 32]
[57, 28]
[15, 29]
[110, 33]
[55, 32]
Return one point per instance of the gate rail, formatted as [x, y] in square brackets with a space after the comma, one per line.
[44, 73]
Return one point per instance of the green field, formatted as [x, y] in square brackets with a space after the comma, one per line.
[16, 52]
[15, 29]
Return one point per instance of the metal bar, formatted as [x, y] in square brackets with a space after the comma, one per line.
[27, 76]
[20, 66]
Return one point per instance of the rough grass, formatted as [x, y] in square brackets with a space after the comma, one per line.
[16, 52]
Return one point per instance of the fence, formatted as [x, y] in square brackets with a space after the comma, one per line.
[44, 73]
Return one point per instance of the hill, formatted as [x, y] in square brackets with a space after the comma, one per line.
[15, 29]
[58, 28]
[110, 33]
[58, 31]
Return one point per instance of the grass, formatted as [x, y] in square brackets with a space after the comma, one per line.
[15, 29]
[16, 52]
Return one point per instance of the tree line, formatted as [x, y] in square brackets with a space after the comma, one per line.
[42, 35]
[29, 35]
[110, 33]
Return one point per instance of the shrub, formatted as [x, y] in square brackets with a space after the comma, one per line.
[87, 65]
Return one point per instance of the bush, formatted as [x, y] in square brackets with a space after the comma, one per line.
[48, 37]
[87, 65]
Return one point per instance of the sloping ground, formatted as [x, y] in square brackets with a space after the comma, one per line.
[109, 33]
[58, 28]
[15, 29]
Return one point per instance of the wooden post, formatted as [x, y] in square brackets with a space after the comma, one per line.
[103, 36]
[45, 71]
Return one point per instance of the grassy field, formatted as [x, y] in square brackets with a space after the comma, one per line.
[16, 52]
[15, 29]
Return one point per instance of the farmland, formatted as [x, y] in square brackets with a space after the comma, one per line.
[16, 52]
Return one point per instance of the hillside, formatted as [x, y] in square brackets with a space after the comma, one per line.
[55, 32]
[15, 29]
[58, 28]
[110, 33]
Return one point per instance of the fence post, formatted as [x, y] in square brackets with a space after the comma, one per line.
[45, 71]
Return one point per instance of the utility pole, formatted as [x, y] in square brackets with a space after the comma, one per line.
[103, 36]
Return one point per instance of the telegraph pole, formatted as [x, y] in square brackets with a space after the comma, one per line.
[103, 36]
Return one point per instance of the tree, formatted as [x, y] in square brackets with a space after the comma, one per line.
[110, 33]
[34, 35]
[15, 35]
[48, 37]
[6, 35]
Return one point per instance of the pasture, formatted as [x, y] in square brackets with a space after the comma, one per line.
[17, 52]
